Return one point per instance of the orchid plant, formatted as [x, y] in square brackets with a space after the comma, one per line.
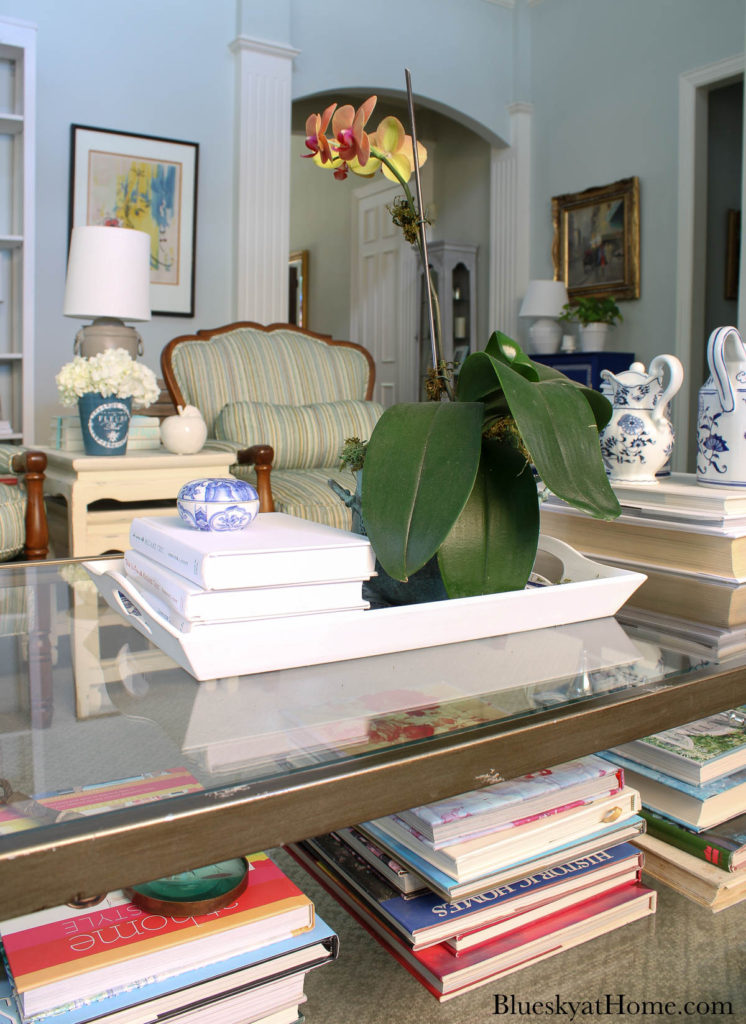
[454, 478]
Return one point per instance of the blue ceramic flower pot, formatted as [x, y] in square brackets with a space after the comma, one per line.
[105, 423]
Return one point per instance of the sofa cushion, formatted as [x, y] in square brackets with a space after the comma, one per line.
[12, 520]
[306, 493]
[303, 436]
[282, 365]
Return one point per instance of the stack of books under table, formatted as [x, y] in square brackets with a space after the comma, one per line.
[280, 566]
[117, 963]
[690, 541]
[692, 781]
[466, 890]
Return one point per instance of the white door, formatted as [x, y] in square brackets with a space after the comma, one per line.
[383, 306]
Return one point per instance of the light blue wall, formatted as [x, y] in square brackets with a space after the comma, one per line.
[458, 51]
[605, 93]
[139, 67]
[603, 80]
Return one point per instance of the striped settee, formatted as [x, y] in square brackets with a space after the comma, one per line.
[23, 520]
[299, 392]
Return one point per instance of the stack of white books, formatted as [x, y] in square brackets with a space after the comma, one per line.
[280, 566]
[65, 433]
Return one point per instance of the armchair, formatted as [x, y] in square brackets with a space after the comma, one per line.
[23, 517]
[283, 399]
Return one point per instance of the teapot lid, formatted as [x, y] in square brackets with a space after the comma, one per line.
[218, 488]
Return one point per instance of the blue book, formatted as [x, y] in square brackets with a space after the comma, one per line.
[302, 952]
[451, 890]
[698, 807]
[425, 919]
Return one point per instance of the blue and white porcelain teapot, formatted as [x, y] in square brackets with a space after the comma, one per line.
[721, 414]
[637, 441]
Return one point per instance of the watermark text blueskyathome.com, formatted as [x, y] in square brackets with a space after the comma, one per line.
[610, 1006]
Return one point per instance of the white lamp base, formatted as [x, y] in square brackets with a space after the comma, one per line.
[105, 333]
[544, 334]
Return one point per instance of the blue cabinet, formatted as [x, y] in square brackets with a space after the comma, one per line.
[585, 367]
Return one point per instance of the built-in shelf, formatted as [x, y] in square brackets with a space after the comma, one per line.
[11, 124]
[10, 437]
[17, 209]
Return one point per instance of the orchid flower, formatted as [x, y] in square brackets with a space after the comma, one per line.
[351, 142]
[316, 139]
[391, 150]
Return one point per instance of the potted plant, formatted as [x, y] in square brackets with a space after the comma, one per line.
[105, 387]
[595, 316]
[453, 478]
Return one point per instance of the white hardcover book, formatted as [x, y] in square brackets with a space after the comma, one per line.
[185, 604]
[275, 550]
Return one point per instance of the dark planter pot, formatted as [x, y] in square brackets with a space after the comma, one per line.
[105, 423]
[382, 590]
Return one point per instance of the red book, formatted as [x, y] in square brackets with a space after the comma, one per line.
[445, 974]
[58, 953]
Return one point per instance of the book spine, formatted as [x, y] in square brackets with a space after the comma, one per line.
[151, 543]
[700, 845]
[155, 581]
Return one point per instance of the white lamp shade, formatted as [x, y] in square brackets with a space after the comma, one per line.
[544, 298]
[108, 273]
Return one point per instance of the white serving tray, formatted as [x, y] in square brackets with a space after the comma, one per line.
[584, 590]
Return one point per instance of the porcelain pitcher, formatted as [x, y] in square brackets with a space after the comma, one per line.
[721, 413]
[637, 441]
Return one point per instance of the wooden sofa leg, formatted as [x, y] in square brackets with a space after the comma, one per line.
[37, 529]
[260, 456]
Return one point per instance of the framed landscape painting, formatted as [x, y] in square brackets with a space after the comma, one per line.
[596, 248]
[147, 183]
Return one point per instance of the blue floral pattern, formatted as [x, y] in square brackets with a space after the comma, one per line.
[218, 504]
[710, 444]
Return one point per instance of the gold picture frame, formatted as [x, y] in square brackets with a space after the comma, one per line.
[596, 247]
[298, 288]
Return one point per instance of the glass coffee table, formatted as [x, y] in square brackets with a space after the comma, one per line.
[86, 700]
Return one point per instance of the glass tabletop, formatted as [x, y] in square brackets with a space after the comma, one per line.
[100, 730]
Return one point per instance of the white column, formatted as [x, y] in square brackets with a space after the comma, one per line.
[262, 227]
[510, 222]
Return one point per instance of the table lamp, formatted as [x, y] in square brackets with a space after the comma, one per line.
[108, 281]
[544, 301]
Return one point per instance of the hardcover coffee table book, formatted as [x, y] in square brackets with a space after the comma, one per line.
[277, 550]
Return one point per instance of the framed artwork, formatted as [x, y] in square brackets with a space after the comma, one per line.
[596, 248]
[298, 288]
[732, 254]
[143, 182]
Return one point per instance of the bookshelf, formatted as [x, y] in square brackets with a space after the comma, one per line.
[17, 152]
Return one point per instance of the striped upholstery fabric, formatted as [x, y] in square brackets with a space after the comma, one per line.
[12, 519]
[306, 493]
[280, 367]
[303, 436]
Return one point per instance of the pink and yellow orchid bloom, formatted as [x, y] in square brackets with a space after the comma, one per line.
[391, 145]
[316, 139]
[351, 142]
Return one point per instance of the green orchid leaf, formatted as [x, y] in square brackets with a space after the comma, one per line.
[509, 352]
[558, 427]
[420, 466]
[599, 403]
[492, 545]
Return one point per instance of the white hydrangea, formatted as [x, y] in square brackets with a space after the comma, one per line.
[112, 372]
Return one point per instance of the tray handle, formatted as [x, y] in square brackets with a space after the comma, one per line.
[134, 606]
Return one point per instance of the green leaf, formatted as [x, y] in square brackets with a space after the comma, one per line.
[509, 352]
[492, 545]
[599, 403]
[558, 427]
[420, 466]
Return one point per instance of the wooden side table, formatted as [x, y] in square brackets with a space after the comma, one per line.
[129, 480]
